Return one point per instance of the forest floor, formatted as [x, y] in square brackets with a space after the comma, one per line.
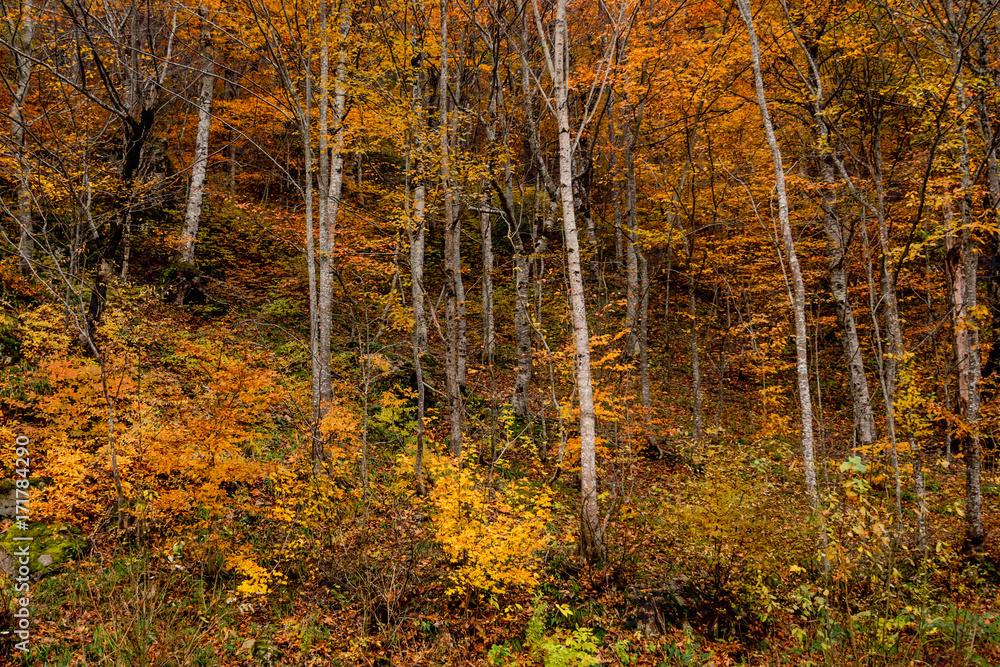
[713, 556]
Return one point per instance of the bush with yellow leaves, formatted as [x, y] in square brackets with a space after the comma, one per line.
[492, 533]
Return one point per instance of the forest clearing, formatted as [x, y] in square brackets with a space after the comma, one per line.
[500, 332]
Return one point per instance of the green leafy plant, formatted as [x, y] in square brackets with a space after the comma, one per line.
[500, 654]
[560, 649]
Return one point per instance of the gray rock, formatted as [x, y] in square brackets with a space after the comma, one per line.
[51, 546]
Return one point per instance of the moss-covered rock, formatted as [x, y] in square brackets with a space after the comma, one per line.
[51, 546]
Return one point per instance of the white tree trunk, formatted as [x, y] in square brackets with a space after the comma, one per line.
[647, 405]
[324, 302]
[864, 420]
[971, 355]
[452, 258]
[631, 237]
[697, 417]
[591, 530]
[305, 124]
[798, 287]
[964, 273]
[416, 234]
[616, 187]
[22, 80]
[418, 225]
[331, 181]
[486, 232]
[192, 215]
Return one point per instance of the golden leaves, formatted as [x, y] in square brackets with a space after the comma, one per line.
[490, 534]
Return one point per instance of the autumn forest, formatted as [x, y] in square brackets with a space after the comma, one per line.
[500, 332]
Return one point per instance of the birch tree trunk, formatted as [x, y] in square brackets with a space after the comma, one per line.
[419, 226]
[522, 323]
[192, 215]
[22, 81]
[963, 263]
[486, 235]
[647, 405]
[864, 420]
[324, 294]
[616, 186]
[970, 355]
[416, 235]
[305, 123]
[451, 252]
[334, 189]
[631, 237]
[486, 232]
[798, 287]
[894, 332]
[591, 531]
[522, 263]
[697, 417]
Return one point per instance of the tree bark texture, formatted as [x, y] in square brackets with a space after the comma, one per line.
[791, 258]
[591, 532]
[199, 168]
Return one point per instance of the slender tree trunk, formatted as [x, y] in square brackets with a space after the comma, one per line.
[591, 531]
[192, 215]
[632, 251]
[452, 257]
[522, 263]
[697, 427]
[647, 405]
[666, 313]
[723, 365]
[22, 80]
[541, 238]
[791, 258]
[921, 491]
[486, 232]
[616, 187]
[109, 261]
[419, 220]
[417, 258]
[333, 180]
[954, 265]
[973, 458]
[325, 284]
[461, 322]
[522, 324]
[416, 233]
[305, 122]
[947, 407]
[419, 224]
[965, 273]
[864, 420]
[893, 327]
[984, 121]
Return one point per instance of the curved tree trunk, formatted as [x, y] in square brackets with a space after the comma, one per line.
[864, 420]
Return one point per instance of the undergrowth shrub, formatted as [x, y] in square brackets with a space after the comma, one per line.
[577, 648]
[733, 560]
[492, 532]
